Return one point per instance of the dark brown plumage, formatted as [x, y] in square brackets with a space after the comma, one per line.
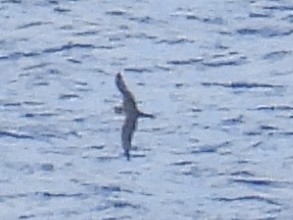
[131, 114]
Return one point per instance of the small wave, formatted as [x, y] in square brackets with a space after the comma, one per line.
[74, 61]
[289, 18]
[53, 2]
[175, 41]
[144, 19]
[96, 147]
[182, 163]
[68, 96]
[279, 7]
[37, 66]
[68, 46]
[61, 10]
[18, 55]
[268, 127]
[274, 108]
[135, 155]
[233, 121]
[141, 36]
[123, 204]
[258, 15]
[105, 158]
[256, 144]
[87, 33]
[258, 182]
[242, 173]
[41, 84]
[33, 103]
[226, 61]
[211, 148]
[190, 61]
[253, 133]
[79, 120]
[81, 83]
[117, 12]
[277, 55]
[187, 14]
[26, 216]
[137, 69]
[163, 67]
[14, 196]
[105, 189]
[15, 135]
[12, 104]
[241, 85]
[207, 20]
[47, 167]
[39, 115]
[32, 24]
[111, 188]
[257, 198]
[11, 1]
[286, 133]
[266, 31]
[59, 195]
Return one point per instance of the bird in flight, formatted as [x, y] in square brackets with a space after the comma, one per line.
[132, 113]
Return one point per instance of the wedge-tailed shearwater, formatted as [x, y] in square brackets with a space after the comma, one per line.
[132, 113]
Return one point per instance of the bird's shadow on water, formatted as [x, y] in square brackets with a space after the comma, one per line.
[104, 156]
[132, 155]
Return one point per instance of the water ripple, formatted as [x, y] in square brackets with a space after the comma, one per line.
[15, 135]
[182, 163]
[274, 108]
[123, 204]
[279, 7]
[69, 46]
[40, 115]
[143, 20]
[11, 1]
[266, 31]
[26, 216]
[190, 61]
[215, 20]
[68, 96]
[217, 61]
[59, 195]
[180, 41]
[18, 55]
[277, 55]
[61, 10]
[241, 85]
[233, 121]
[211, 148]
[33, 24]
[117, 12]
[137, 69]
[259, 15]
[257, 182]
[257, 198]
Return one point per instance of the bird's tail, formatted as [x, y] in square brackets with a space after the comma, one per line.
[145, 115]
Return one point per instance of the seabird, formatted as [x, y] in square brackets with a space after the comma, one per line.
[132, 113]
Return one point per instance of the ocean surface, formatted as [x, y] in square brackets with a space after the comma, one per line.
[218, 75]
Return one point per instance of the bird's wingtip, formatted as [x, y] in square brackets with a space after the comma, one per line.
[119, 75]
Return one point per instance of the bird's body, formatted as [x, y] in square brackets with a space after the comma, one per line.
[131, 114]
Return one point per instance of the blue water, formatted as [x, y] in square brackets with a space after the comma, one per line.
[217, 75]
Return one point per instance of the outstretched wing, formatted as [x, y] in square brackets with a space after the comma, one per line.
[129, 104]
[128, 129]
